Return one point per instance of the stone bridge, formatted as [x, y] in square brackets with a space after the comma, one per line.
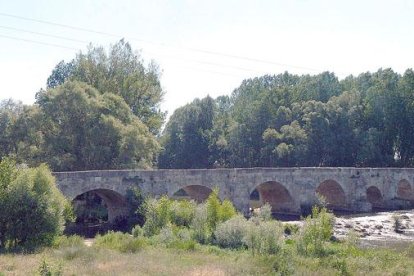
[287, 190]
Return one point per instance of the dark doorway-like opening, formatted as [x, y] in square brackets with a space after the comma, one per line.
[333, 194]
[198, 193]
[277, 196]
[375, 197]
[404, 190]
[98, 211]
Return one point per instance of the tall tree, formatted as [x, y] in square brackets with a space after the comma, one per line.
[119, 71]
[84, 129]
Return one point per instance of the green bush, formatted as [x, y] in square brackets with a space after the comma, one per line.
[157, 215]
[184, 234]
[290, 228]
[166, 235]
[121, 242]
[229, 234]
[264, 238]
[316, 231]
[227, 210]
[265, 212]
[218, 211]
[200, 225]
[182, 212]
[32, 209]
[137, 231]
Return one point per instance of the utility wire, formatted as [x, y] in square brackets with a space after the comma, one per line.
[149, 52]
[160, 44]
[44, 34]
[37, 42]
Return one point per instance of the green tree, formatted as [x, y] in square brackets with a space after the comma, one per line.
[187, 136]
[119, 71]
[60, 73]
[32, 209]
[83, 129]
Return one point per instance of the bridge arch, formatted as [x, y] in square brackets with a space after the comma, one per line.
[115, 203]
[333, 193]
[374, 196]
[404, 190]
[198, 193]
[274, 193]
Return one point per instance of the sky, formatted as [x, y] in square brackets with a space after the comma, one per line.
[206, 47]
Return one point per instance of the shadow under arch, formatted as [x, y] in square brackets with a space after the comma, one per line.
[404, 190]
[374, 196]
[275, 194]
[115, 204]
[333, 193]
[198, 193]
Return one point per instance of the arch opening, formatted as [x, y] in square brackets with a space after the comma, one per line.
[98, 211]
[198, 193]
[375, 197]
[333, 194]
[404, 190]
[275, 194]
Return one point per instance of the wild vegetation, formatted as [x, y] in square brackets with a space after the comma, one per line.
[32, 209]
[210, 238]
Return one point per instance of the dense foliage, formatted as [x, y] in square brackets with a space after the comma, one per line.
[290, 120]
[32, 209]
[100, 111]
[121, 72]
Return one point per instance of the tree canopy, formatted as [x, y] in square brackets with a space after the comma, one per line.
[291, 120]
[119, 71]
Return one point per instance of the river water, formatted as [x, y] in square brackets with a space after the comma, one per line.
[390, 229]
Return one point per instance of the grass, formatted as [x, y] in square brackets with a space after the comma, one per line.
[78, 259]
[149, 261]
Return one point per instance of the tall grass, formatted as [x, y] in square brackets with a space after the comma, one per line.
[121, 242]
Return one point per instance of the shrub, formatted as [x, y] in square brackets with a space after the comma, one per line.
[166, 235]
[121, 242]
[182, 212]
[213, 209]
[29, 194]
[265, 212]
[265, 237]
[229, 234]
[316, 231]
[157, 215]
[200, 225]
[137, 231]
[290, 228]
[227, 210]
[218, 211]
[184, 234]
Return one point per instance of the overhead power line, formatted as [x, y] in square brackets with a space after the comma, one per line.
[44, 34]
[37, 42]
[251, 59]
